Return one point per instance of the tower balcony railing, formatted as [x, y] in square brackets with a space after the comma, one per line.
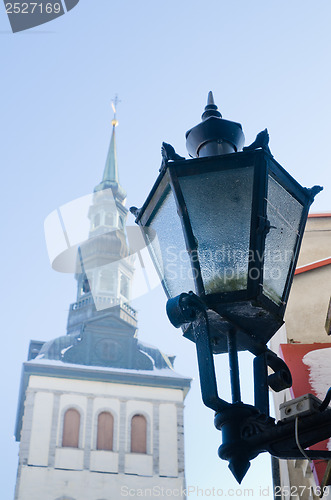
[106, 302]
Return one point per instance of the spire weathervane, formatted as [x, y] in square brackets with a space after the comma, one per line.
[114, 103]
[110, 173]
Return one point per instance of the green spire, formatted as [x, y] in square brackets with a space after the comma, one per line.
[110, 172]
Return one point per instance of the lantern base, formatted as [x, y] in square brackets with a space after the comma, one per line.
[254, 324]
[248, 430]
[246, 433]
[236, 422]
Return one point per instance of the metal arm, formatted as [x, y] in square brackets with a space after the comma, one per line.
[248, 430]
[189, 308]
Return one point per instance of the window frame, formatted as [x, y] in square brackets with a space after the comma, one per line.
[113, 412]
[147, 440]
[80, 427]
[105, 412]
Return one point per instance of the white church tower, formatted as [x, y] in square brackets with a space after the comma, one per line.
[100, 414]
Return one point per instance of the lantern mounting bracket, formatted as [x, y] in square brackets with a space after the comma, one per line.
[247, 430]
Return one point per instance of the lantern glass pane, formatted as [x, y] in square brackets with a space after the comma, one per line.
[284, 213]
[219, 205]
[167, 248]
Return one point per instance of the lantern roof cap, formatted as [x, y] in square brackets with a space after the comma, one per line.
[214, 128]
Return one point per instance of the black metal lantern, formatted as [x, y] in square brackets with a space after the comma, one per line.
[224, 230]
[228, 227]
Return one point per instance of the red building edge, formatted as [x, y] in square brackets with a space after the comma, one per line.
[293, 355]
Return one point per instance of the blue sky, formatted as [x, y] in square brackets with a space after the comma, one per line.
[268, 64]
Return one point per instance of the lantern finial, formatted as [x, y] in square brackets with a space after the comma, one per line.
[210, 98]
[211, 108]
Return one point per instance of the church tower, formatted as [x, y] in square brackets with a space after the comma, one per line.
[100, 414]
[105, 268]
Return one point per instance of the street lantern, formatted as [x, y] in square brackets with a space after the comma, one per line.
[229, 227]
[224, 230]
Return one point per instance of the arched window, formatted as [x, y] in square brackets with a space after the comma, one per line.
[109, 220]
[96, 221]
[71, 425]
[105, 431]
[138, 434]
[85, 285]
[106, 280]
[124, 287]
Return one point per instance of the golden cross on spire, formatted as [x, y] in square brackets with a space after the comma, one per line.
[114, 103]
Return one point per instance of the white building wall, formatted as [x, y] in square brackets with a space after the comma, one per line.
[85, 473]
[104, 389]
[53, 484]
[168, 440]
[41, 429]
[104, 461]
[69, 459]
